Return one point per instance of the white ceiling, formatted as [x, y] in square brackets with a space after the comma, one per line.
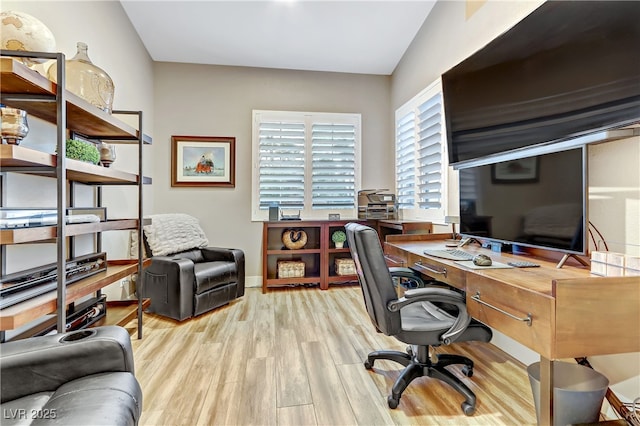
[363, 36]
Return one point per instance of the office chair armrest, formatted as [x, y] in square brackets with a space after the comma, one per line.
[437, 295]
[401, 272]
[429, 294]
[410, 274]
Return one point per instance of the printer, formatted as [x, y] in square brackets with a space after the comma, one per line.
[376, 204]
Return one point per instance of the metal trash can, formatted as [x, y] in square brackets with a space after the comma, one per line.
[578, 392]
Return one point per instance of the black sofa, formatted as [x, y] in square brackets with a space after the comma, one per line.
[83, 377]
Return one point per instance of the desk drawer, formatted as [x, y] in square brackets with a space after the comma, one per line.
[437, 270]
[506, 308]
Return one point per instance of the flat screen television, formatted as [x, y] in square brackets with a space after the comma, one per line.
[538, 201]
[568, 69]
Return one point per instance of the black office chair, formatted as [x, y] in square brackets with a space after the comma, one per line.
[414, 319]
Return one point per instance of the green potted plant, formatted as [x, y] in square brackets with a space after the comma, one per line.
[338, 238]
[83, 151]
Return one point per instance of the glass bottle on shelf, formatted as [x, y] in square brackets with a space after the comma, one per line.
[14, 125]
[107, 154]
[86, 80]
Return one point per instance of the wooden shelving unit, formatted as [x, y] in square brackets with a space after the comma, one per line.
[318, 254]
[25, 89]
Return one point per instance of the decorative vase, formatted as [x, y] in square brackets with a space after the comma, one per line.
[86, 80]
[23, 32]
[294, 239]
[14, 125]
[339, 244]
[107, 154]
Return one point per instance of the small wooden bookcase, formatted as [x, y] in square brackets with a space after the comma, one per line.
[318, 254]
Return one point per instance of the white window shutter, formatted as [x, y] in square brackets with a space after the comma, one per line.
[430, 164]
[405, 161]
[333, 151]
[281, 164]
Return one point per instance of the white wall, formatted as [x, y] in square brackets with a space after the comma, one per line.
[447, 37]
[203, 100]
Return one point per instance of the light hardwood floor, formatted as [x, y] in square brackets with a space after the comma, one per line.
[295, 357]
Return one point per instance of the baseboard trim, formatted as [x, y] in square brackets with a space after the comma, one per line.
[253, 281]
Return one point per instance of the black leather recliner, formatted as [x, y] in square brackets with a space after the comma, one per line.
[195, 281]
[83, 377]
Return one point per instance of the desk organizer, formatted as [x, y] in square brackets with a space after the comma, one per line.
[610, 264]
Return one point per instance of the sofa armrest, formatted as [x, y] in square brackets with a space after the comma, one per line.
[230, 255]
[177, 267]
[169, 282]
[219, 253]
[43, 364]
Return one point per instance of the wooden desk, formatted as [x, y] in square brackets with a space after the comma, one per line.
[558, 313]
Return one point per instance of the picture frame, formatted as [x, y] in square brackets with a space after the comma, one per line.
[203, 161]
[522, 170]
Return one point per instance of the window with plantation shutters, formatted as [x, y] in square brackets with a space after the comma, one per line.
[420, 156]
[305, 161]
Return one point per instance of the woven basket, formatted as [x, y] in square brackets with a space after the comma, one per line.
[345, 267]
[290, 269]
[294, 239]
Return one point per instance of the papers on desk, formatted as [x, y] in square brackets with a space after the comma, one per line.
[494, 265]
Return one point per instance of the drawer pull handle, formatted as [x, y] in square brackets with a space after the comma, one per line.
[528, 319]
[419, 265]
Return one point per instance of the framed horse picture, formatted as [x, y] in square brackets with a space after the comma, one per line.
[203, 161]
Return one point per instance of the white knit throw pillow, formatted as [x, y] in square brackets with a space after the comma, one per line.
[172, 233]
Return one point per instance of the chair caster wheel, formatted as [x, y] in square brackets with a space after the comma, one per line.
[393, 403]
[467, 371]
[368, 365]
[468, 409]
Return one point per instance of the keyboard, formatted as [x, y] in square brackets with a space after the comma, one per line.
[451, 254]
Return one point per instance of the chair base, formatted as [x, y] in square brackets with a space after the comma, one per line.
[419, 364]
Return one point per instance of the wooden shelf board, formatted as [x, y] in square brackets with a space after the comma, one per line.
[339, 250]
[80, 171]
[82, 117]
[18, 156]
[293, 252]
[18, 78]
[121, 312]
[288, 281]
[29, 310]
[44, 164]
[40, 233]
[342, 278]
